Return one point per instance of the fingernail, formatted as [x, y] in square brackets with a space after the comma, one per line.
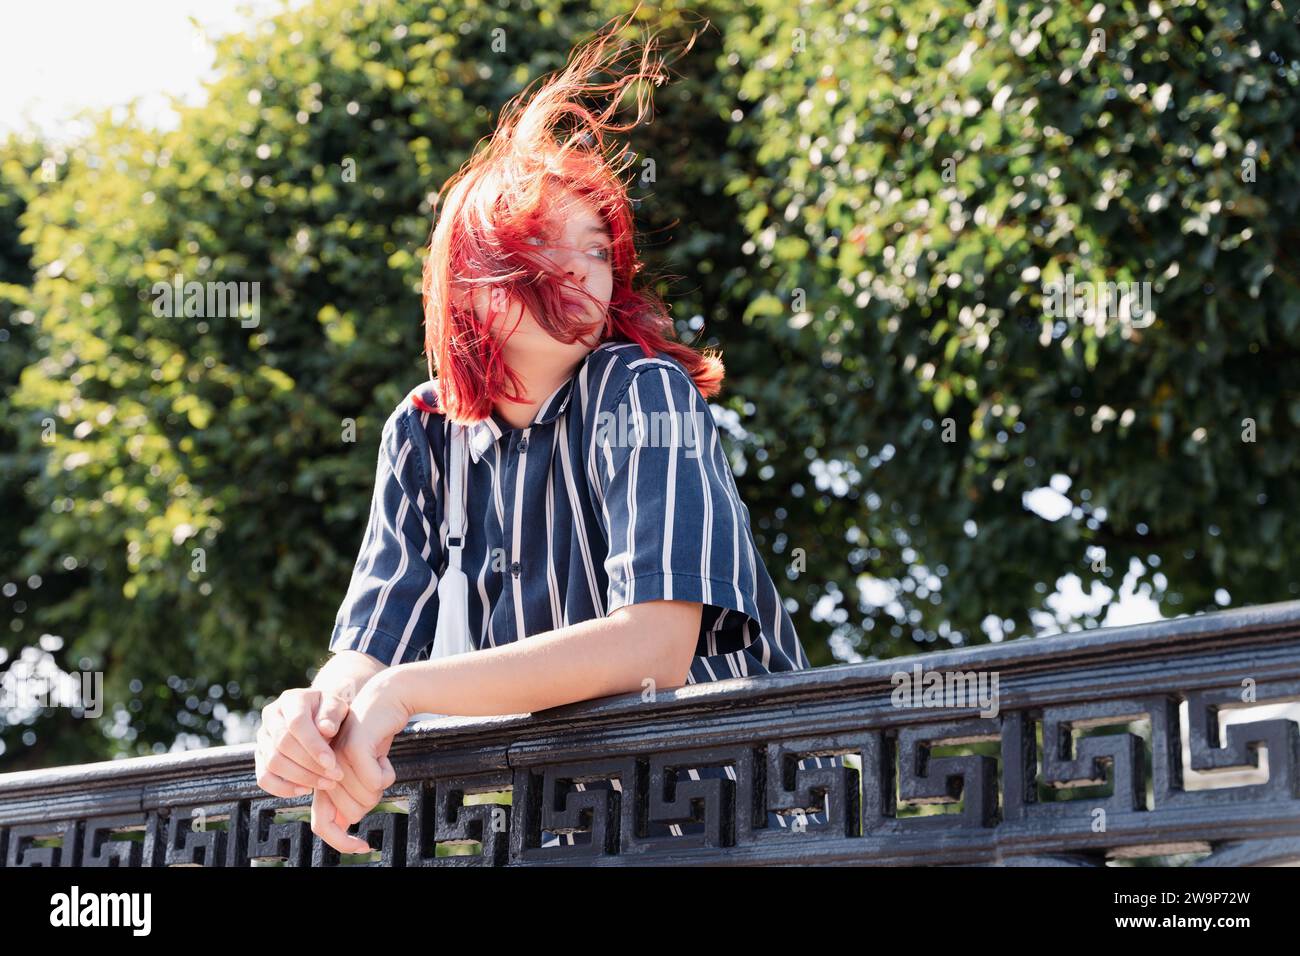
[325, 783]
[326, 759]
[327, 726]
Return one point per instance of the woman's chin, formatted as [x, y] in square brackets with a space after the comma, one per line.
[537, 341]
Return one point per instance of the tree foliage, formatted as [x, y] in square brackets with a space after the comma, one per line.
[928, 172]
[208, 477]
[860, 203]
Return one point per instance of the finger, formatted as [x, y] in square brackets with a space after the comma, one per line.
[330, 714]
[334, 830]
[388, 774]
[349, 793]
[322, 808]
[282, 766]
[301, 726]
[277, 786]
[356, 816]
[272, 723]
[354, 797]
[324, 825]
[352, 801]
[364, 765]
[288, 747]
[270, 734]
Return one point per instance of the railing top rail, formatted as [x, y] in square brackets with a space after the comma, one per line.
[1175, 637]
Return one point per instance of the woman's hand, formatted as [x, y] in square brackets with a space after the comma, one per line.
[293, 754]
[325, 824]
[361, 747]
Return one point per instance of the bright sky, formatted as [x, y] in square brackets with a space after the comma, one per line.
[60, 56]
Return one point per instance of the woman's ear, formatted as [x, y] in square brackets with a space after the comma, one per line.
[460, 297]
[494, 299]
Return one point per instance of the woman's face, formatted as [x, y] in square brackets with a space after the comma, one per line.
[577, 244]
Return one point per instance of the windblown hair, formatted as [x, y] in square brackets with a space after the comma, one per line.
[545, 146]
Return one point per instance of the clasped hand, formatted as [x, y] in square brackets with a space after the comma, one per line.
[361, 747]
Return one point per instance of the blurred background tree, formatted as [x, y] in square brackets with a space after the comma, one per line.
[929, 168]
[860, 203]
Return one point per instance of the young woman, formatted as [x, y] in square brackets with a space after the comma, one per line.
[606, 549]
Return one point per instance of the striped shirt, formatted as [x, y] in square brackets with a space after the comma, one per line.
[619, 492]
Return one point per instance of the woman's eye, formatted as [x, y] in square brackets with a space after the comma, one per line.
[604, 253]
[534, 240]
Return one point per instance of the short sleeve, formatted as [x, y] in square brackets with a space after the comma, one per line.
[391, 606]
[677, 529]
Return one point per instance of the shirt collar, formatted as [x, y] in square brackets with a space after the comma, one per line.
[484, 434]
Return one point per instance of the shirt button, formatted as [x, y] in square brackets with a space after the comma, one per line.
[515, 568]
[523, 444]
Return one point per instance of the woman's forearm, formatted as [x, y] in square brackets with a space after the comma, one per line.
[595, 658]
[346, 673]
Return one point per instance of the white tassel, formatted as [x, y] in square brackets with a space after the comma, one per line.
[451, 635]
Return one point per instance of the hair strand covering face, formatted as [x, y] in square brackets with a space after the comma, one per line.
[547, 145]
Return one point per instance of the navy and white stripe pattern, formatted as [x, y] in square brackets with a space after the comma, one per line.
[569, 519]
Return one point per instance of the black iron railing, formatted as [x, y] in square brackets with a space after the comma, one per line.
[1176, 740]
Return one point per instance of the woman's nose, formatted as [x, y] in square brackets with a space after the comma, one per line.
[575, 264]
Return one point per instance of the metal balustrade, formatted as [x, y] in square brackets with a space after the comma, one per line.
[1178, 740]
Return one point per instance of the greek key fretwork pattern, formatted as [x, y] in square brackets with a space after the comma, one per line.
[698, 799]
[287, 840]
[555, 799]
[688, 802]
[1083, 783]
[440, 815]
[104, 846]
[1279, 738]
[1238, 748]
[207, 835]
[808, 781]
[969, 779]
[1088, 761]
[384, 830]
[23, 851]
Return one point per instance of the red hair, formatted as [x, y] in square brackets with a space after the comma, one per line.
[504, 195]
